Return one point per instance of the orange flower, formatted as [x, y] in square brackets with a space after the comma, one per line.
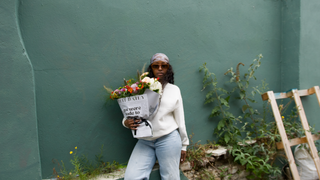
[129, 88]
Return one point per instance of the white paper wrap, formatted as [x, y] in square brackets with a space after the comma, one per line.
[140, 107]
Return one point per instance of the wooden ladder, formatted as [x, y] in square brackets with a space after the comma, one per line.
[309, 138]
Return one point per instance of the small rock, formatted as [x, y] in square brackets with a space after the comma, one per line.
[195, 176]
[235, 176]
[215, 174]
[186, 166]
[190, 173]
[233, 170]
[212, 159]
[248, 142]
[226, 178]
[203, 162]
[217, 152]
[243, 174]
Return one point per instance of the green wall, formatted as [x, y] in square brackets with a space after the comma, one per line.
[290, 44]
[310, 56]
[75, 47]
[300, 51]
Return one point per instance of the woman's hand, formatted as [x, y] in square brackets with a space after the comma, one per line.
[183, 156]
[130, 123]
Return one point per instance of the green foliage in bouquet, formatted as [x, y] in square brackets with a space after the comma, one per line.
[250, 137]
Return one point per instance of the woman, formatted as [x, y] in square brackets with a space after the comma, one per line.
[170, 140]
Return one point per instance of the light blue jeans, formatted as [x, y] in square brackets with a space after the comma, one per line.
[167, 149]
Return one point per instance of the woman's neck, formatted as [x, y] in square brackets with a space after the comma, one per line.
[163, 83]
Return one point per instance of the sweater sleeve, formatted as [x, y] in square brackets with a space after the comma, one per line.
[179, 118]
[123, 120]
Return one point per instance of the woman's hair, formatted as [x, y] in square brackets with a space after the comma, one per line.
[168, 77]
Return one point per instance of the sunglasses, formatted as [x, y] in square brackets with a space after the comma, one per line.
[157, 66]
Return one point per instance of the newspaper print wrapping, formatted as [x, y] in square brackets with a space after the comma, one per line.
[140, 107]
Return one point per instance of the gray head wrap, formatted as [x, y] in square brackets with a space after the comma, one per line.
[159, 57]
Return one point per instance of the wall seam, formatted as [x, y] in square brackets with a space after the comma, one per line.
[33, 77]
[281, 47]
[299, 56]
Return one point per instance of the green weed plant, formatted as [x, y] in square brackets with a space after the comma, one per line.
[84, 169]
[238, 131]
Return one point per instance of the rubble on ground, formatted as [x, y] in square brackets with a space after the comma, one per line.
[217, 164]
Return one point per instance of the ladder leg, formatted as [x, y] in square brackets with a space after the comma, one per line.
[305, 125]
[283, 135]
[317, 91]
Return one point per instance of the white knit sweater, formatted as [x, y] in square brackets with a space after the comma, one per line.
[170, 116]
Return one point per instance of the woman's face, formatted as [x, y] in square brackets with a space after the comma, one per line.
[159, 69]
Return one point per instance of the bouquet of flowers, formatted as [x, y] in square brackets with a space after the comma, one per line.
[139, 100]
[133, 88]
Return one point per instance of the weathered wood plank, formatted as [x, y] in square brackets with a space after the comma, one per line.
[305, 125]
[316, 90]
[296, 141]
[288, 94]
[283, 135]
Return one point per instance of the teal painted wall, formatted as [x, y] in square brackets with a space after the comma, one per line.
[75, 47]
[290, 44]
[310, 56]
[300, 51]
[19, 153]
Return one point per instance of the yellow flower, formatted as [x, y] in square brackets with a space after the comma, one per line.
[58, 176]
[71, 152]
[76, 147]
[282, 117]
[70, 173]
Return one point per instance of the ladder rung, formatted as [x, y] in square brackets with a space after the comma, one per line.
[287, 94]
[296, 141]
